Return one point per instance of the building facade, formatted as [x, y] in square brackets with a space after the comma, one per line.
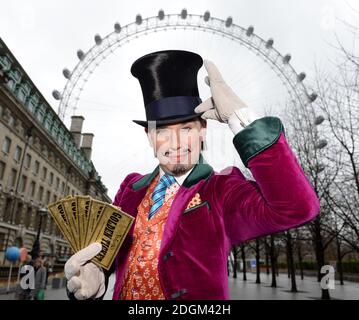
[41, 161]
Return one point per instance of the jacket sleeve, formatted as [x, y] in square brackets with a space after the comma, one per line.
[280, 198]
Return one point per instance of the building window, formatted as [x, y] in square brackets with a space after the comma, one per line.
[51, 180]
[17, 154]
[40, 194]
[18, 214]
[28, 217]
[55, 198]
[57, 183]
[32, 189]
[44, 173]
[27, 161]
[48, 195]
[63, 187]
[11, 122]
[22, 184]
[6, 145]
[2, 242]
[12, 178]
[36, 167]
[2, 169]
[6, 212]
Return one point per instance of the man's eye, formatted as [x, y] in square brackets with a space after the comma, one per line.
[161, 132]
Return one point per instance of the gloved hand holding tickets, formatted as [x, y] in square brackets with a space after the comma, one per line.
[85, 279]
[95, 230]
[84, 221]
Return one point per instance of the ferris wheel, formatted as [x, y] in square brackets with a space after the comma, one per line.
[275, 63]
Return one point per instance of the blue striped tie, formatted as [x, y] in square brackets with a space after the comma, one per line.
[158, 195]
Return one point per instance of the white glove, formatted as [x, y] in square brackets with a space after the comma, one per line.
[85, 279]
[224, 103]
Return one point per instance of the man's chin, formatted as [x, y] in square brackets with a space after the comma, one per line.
[179, 169]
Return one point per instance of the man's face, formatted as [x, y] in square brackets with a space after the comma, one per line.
[37, 262]
[177, 146]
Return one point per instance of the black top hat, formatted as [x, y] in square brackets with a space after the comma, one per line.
[168, 81]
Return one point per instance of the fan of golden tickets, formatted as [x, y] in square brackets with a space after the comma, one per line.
[83, 220]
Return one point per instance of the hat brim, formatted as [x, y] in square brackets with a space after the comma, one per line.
[163, 122]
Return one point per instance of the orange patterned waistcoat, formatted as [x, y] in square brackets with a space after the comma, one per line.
[141, 280]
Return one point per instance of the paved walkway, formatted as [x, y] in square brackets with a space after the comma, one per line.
[308, 288]
[249, 290]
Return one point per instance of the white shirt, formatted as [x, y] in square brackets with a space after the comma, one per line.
[179, 179]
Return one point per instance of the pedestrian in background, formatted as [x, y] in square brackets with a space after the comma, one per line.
[40, 280]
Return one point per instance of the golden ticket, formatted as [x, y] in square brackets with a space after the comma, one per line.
[96, 209]
[83, 214]
[111, 229]
[58, 213]
[70, 206]
[83, 220]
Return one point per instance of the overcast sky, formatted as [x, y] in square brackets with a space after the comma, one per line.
[45, 35]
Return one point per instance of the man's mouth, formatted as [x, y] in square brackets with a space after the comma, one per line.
[177, 155]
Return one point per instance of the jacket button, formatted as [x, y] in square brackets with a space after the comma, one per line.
[167, 255]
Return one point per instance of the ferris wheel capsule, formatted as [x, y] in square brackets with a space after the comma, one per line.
[80, 54]
[229, 22]
[206, 16]
[184, 13]
[269, 43]
[250, 31]
[56, 94]
[98, 39]
[138, 19]
[161, 14]
[67, 74]
[301, 76]
[313, 97]
[287, 58]
[117, 27]
[318, 120]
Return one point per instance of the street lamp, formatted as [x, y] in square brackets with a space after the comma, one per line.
[36, 246]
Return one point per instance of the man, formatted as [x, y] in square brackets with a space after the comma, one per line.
[40, 279]
[187, 215]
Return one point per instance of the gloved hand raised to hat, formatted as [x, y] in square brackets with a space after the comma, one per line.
[224, 103]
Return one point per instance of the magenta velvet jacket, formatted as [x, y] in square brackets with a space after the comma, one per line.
[196, 242]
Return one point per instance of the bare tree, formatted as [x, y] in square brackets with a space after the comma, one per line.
[243, 257]
[235, 253]
[310, 145]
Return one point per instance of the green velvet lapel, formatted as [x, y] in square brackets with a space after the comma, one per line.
[200, 171]
[146, 180]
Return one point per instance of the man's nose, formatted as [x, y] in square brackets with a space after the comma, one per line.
[174, 140]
